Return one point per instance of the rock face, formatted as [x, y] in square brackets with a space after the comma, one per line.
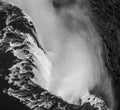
[19, 62]
[106, 20]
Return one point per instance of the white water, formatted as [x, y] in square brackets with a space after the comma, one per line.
[74, 67]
